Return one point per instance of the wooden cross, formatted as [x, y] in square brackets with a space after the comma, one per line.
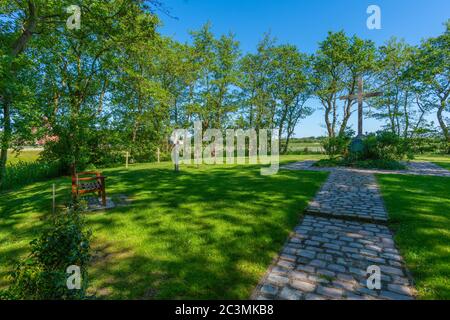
[360, 97]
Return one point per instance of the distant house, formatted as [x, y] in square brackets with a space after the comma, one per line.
[43, 140]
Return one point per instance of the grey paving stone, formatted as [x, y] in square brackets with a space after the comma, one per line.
[269, 289]
[313, 296]
[394, 296]
[303, 286]
[330, 292]
[400, 289]
[290, 294]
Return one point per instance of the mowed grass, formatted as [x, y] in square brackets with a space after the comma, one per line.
[207, 232]
[419, 211]
[23, 156]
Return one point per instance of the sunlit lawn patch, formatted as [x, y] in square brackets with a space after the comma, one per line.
[23, 156]
[419, 211]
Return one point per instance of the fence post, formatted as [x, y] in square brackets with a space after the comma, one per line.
[53, 199]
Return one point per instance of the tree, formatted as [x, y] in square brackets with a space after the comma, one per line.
[257, 105]
[400, 106]
[79, 65]
[337, 65]
[432, 71]
[290, 90]
[214, 90]
[142, 98]
[20, 22]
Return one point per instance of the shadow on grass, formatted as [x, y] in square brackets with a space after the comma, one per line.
[207, 232]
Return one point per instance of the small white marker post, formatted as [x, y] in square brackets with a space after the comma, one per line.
[157, 153]
[53, 199]
[126, 159]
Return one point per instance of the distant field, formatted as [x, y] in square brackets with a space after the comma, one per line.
[300, 146]
[24, 155]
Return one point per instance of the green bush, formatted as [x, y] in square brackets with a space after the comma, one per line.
[364, 164]
[335, 146]
[42, 275]
[381, 146]
[23, 173]
[379, 164]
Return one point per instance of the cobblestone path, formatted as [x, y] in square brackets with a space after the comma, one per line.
[342, 234]
[350, 194]
[328, 259]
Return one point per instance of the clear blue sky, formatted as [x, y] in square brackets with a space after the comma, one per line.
[305, 23]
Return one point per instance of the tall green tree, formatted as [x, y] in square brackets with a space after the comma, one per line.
[216, 64]
[400, 107]
[257, 105]
[20, 22]
[290, 90]
[337, 65]
[432, 71]
[81, 63]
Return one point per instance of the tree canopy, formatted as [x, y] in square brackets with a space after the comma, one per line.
[116, 84]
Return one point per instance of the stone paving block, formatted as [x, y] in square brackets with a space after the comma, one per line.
[290, 294]
[303, 286]
[337, 274]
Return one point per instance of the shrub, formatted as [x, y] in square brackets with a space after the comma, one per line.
[42, 275]
[383, 145]
[23, 173]
[379, 164]
[335, 146]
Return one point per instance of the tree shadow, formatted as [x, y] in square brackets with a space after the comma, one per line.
[207, 232]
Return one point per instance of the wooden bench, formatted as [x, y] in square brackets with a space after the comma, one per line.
[89, 182]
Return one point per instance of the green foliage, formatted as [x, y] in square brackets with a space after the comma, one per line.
[383, 164]
[22, 173]
[363, 164]
[432, 74]
[337, 65]
[383, 145]
[42, 275]
[380, 150]
[336, 146]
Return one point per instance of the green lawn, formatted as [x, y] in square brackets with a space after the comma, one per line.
[24, 155]
[419, 211]
[208, 232]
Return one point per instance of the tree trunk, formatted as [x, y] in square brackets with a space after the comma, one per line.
[330, 130]
[346, 117]
[6, 139]
[445, 130]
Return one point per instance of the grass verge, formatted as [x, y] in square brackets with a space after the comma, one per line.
[419, 211]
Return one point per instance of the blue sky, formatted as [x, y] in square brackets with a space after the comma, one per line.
[305, 23]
